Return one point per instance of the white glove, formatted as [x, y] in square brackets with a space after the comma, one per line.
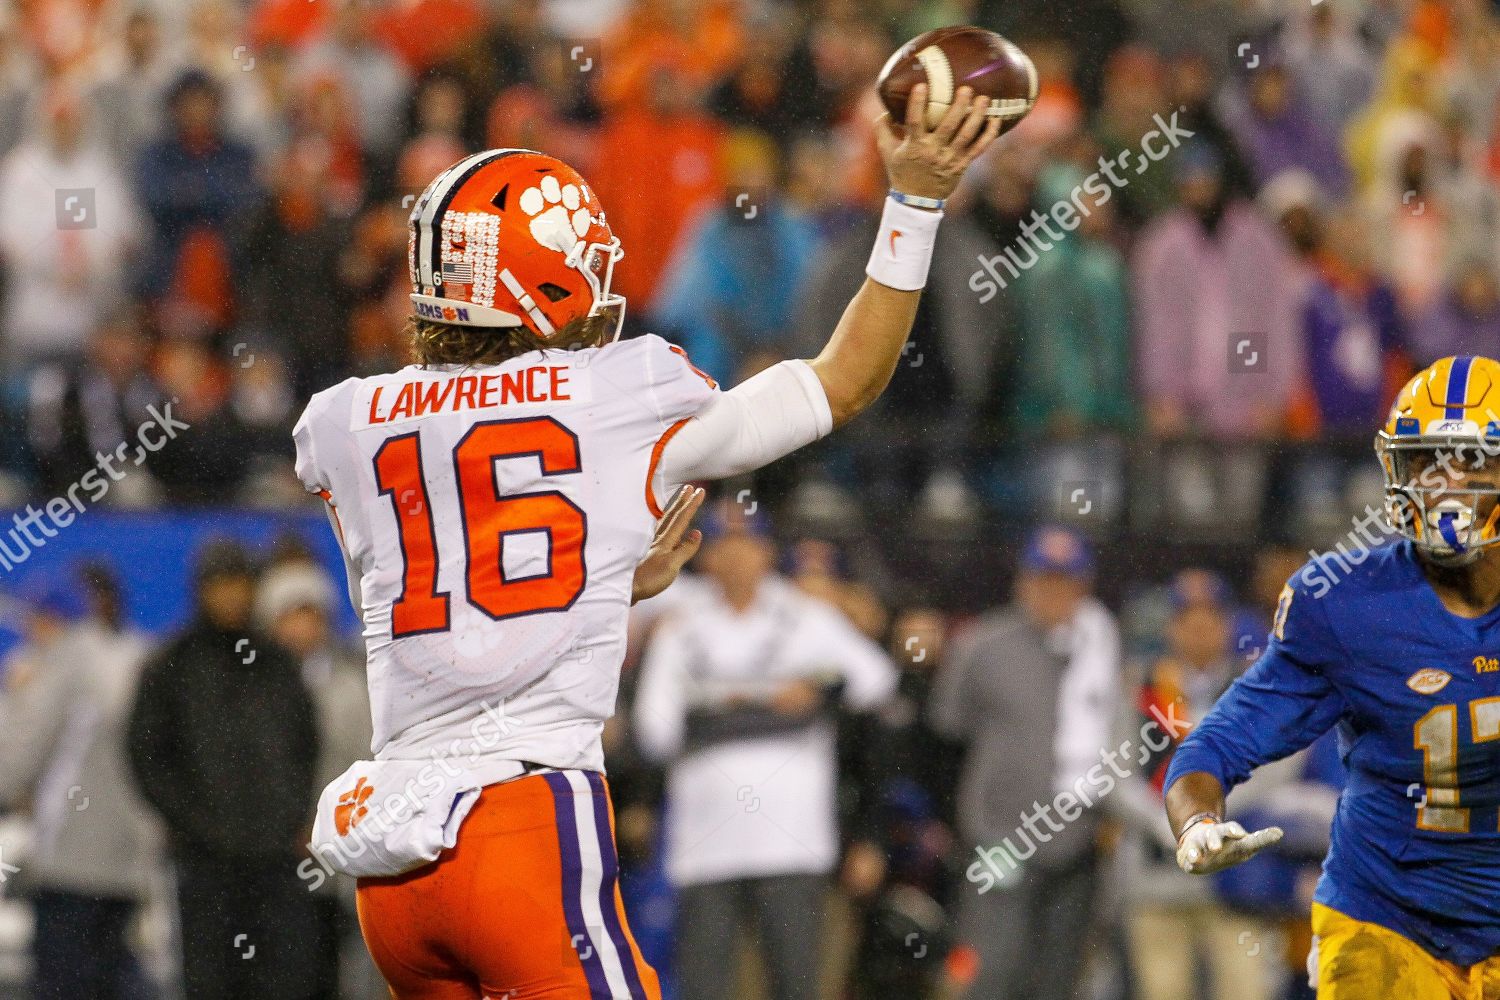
[1209, 845]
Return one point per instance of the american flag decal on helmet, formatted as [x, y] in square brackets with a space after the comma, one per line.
[461, 272]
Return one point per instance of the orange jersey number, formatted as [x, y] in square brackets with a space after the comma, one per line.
[488, 516]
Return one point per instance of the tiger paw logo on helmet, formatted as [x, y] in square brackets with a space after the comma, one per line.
[351, 807]
[512, 238]
[559, 217]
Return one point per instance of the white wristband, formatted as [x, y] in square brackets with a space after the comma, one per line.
[903, 250]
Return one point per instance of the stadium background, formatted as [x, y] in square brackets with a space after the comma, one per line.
[204, 202]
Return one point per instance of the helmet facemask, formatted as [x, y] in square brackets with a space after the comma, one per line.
[1443, 495]
[597, 261]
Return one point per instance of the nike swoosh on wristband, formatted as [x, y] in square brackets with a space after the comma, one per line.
[894, 234]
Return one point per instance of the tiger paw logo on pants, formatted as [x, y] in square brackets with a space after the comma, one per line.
[351, 808]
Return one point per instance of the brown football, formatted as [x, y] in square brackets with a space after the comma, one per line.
[948, 58]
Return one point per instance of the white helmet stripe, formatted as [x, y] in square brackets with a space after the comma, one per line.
[439, 194]
[543, 324]
[421, 219]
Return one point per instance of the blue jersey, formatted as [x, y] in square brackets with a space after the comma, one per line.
[1414, 691]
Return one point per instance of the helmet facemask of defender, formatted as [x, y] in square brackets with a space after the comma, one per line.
[512, 238]
[1440, 452]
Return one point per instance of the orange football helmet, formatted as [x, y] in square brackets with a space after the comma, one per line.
[512, 237]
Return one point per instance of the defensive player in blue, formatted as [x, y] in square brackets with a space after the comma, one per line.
[1398, 646]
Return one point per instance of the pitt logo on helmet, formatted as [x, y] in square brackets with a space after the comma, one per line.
[1440, 452]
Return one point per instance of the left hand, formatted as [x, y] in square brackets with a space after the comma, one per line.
[930, 161]
[1210, 845]
[672, 547]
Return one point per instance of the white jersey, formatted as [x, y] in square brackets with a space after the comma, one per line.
[493, 518]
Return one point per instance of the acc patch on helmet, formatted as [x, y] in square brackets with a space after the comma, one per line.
[1429, 680]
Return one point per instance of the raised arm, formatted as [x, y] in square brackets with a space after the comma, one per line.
[862, 354]
[794, 403]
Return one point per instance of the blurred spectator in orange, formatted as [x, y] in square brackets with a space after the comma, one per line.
[372, 77]
[680, 148]
[324, 131]
[1216, 354]
[68, 230]
[700, 39]
[286, 23]
[426, 32]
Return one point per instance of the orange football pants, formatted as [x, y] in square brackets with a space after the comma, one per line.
[526, 906]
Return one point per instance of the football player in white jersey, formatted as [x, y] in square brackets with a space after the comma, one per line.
[493, 502]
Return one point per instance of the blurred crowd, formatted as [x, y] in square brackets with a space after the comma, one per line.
[826, 784]
[203, 201]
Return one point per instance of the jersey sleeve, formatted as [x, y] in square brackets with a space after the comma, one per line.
[758, 421]
[677, 391]
[305, 436]
[315, 437]
[1279, 706]
[320, 459]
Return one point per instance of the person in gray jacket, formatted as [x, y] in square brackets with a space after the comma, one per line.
[67, 695]
[1030, 692]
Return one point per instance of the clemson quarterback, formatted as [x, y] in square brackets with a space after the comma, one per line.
[493, 502]
[1402, 654]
